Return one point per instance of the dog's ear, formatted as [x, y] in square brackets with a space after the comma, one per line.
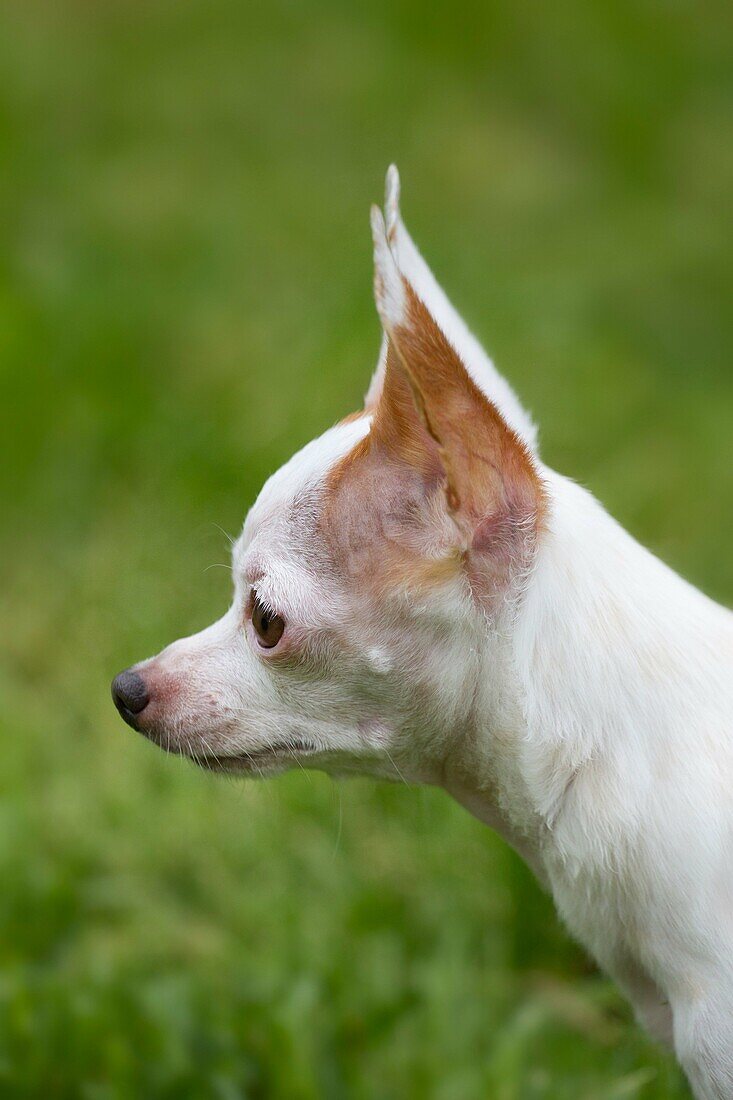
[416, 271]
[430, 412]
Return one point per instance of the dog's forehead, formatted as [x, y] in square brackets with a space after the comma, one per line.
[290, 496]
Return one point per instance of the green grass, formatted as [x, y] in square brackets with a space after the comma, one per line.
[184, 299]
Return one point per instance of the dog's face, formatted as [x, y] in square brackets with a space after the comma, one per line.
[367, 569]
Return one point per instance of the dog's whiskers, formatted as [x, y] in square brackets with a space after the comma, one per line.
[231, 540]
[392, 761]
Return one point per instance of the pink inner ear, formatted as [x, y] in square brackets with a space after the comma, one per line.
[495, 534]
[384, 519]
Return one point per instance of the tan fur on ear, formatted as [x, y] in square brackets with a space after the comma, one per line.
[441, 481]
[493, 490]
[398, 433]
[398, 428]
[489, 470]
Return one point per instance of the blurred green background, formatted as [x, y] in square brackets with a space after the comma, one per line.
[185, 298]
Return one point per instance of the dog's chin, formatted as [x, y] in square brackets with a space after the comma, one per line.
[270, 760]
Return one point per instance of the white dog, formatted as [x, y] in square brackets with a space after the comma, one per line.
[417, 595]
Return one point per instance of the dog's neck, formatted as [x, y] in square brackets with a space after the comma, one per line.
[609, 663]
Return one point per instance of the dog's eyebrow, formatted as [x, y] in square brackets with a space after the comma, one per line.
[253, 571]
[266, 579]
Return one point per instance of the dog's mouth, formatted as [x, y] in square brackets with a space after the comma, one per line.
[256, 761]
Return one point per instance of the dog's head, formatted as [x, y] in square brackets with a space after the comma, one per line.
[372, 568]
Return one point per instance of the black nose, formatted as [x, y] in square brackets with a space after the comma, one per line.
[130, 695]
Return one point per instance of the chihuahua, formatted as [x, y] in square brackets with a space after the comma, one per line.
[417, 596]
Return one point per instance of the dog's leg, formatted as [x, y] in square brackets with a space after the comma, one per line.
[703, 1039]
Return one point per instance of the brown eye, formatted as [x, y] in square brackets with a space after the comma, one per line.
[268, 627]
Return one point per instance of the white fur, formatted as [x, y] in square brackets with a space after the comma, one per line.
[587, 718]
[389, 290]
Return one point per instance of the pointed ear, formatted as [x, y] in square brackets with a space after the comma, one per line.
[414, 268]
[493, 489]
